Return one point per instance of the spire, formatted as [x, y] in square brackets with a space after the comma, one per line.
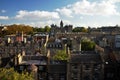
[61, 23]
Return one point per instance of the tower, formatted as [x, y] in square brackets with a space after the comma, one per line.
[61, 24]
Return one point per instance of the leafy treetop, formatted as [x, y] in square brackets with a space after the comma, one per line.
[10, 74]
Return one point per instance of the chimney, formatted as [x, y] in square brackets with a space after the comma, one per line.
[22, 36]
[48, 56]
[80, 47]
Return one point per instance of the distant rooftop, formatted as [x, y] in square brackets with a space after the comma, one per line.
[40, 34]
[32, 59]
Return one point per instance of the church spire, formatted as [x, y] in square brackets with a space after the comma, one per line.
[61, 23]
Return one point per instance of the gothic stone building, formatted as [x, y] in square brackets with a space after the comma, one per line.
[62, 29]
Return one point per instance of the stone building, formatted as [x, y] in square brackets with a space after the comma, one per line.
[117, 41]
[33, 63]
[57, 70]
[60, 29]
[85, 66]
[106, 29]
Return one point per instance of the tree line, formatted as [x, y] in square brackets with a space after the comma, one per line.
[26, 29]
[12, 29]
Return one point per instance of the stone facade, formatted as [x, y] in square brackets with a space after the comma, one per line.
[85, 66]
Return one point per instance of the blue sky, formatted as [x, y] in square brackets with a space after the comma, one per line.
[93, 13]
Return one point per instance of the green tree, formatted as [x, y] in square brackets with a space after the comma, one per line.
[61, 55]
[87, 45]
[80, 29]
[41, 30]
[10, 74]
[35, 29]
[84, 29]
[47, 29]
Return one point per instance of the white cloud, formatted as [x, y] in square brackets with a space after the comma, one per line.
[113, 1]
[93, 8]
[67, 22]
[76, 11]
[4, 17]
[81, 17]
[65, 11]
[82, 7]
[85, 7]
[47, 22]
[3, 11]
[36, 15]
[41, 23]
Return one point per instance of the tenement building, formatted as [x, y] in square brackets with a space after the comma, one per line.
[33, 63]
[42, 67]
[57, 70]
[85, 66]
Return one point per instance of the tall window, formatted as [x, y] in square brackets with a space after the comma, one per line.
[74, 66]
[87, 67]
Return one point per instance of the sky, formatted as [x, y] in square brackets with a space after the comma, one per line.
[39, 13]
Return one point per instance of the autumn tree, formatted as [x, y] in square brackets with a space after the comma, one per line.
[10, 74]
[12, 29]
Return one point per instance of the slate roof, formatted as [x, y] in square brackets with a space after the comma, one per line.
[85, 57]
[58, 66]
[32, 59]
